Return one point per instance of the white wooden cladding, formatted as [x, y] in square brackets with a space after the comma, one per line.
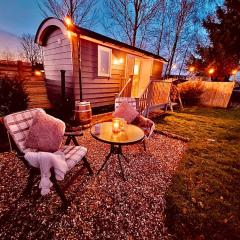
[57, 56]
[99, 90]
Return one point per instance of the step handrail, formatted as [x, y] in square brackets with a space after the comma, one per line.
[125, 86]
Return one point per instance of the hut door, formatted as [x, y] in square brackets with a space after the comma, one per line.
[139, 70]
[136, 77]
[145, 74]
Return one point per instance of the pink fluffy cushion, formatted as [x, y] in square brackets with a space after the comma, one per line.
[46, 133]
[126, 111]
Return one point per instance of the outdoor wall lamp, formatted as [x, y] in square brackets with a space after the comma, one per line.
[68, 21]
[117, 61]
[136, 70]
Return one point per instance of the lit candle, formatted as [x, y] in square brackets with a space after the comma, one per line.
[116, 125]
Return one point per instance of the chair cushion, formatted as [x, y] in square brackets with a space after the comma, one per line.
[18, 124]
[126, 111]
[146, 124]
[73, 154]
[46, 133]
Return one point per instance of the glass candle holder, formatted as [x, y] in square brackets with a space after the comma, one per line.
[123, 124]
[116, 125]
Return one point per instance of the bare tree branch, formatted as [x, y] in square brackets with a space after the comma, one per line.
[132, 18]
[31, 51]
[81, 11]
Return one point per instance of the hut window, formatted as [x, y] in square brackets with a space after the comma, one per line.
[104, 61]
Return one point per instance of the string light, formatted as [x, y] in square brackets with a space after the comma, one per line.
[192, 69]
[211, 70]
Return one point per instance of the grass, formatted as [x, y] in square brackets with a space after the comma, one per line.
[203, 201]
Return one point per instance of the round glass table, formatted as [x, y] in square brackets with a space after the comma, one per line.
[131, 135]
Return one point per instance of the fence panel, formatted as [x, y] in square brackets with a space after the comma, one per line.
[215, 94]
[160, 92]
[35, 85]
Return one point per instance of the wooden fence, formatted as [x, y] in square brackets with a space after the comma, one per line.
[156, 95]
[35, 85]
[160, 92]
[215, 94]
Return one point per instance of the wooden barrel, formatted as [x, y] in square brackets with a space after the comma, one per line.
[83, 112]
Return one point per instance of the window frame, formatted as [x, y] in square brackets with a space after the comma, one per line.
[105, 49]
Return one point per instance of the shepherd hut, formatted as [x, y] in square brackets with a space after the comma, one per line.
[87, 66]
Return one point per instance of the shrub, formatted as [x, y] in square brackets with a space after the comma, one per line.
[13, 96]
[191, 92]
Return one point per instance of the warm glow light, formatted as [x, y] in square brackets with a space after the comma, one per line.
[116, 125]
[192, 69]
[121, 60]
[136, 69]
[234, 71]
[174, 66]
[38, 73]
[118, 61]
[211, 70]
[69, 34]
[115, 61]
[68, 21]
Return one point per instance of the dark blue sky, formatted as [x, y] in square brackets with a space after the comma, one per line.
[19, 16]
[24, 16]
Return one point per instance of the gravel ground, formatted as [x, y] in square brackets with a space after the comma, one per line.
[104, 206]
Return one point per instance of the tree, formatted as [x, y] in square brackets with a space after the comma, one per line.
[31, 51]
[181, 18]
[80, 11]
[223, 51]
[130, 20]
[6, 54]
[177, 28]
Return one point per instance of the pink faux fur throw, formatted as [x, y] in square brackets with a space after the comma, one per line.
[146, 124]
[46, 133]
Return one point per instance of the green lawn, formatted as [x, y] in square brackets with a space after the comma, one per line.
[203, 201]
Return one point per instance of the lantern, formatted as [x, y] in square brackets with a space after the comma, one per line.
[116, 125]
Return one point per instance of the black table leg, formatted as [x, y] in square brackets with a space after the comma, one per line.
[68, 140]
[75, 141]
[106, 159]
[119, 161]
[115, 149]
[71, 138]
